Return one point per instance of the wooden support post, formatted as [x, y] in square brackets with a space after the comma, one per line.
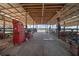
[33, 24]
[50, 26]
[77, 27]
[58, 27]
[64, 26]
[64, 32]
[26, 20]
[42, 18]
[3, 27]
[45, 27]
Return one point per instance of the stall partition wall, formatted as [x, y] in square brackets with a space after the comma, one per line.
[18, 32]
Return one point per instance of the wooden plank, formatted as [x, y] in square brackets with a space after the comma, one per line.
[5, 5]
[6, 11]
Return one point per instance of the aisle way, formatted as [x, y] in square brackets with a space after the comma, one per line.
[42, 44]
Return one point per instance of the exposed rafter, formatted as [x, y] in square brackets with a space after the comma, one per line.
[36, 11]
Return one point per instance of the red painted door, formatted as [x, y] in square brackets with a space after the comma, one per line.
[18, 32]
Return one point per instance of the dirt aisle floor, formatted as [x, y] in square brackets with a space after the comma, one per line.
[42, 44]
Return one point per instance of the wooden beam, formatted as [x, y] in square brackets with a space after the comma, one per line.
[23, 4]
[40, 4]
[49, 7]
[33, 9]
